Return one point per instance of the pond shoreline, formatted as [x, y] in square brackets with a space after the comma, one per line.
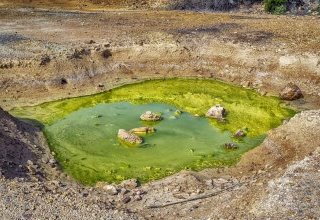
[194, 97]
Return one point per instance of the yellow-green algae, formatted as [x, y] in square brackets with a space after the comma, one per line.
[246, 108]
[77, 128]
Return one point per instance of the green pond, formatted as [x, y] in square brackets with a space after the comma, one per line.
[83, 131]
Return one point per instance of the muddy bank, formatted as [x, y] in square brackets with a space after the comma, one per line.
[32, 185]
[270, 181]
[277, 179]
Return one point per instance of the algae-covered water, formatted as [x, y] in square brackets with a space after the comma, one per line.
[83, 131]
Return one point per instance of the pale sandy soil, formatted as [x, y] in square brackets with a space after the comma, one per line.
[278, 179]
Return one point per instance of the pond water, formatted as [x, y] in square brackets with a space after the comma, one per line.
[83, 131]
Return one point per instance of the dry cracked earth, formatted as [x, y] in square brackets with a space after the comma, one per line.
[48, 54]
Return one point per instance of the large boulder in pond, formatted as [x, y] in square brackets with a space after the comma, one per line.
[217, 112]
[143, 130]
[150, 116]
[129, 138]
[291, 92]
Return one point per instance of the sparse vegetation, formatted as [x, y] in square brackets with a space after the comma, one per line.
[106, 53]
[45, 60]
[275, 6]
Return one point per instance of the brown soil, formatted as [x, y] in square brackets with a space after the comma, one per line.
[51, 54]
[88, 5]
[261, 52]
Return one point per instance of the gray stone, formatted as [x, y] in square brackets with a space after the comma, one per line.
[126, 199]
[217, 112]
[239, 133]
[110, 189]
[231, 146]
[137, 198]
[129, 138]
[130, 184]
[291, 92]
[123, 191]
[150, 116]
[143, 130]
[52, 161]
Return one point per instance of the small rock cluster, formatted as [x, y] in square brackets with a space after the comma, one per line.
[132, 137]
[218, 112]
[126, 191]
[129, 137]
[150, 116]
[231, 146]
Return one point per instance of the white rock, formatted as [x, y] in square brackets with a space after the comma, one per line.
[110, 189]
[217, 112]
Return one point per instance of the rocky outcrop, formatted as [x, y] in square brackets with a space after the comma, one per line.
[150, 116]
[291, 92]
[21, 146]
[129, 138]
[217, 112]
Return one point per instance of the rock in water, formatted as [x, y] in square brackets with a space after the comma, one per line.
[291, 92]
[177, 112]
[239, 133]
[231, 146]
[150, 116]
[217, 112]
[129, 138]
[143, 130]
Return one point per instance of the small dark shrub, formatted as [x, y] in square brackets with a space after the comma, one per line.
[106, 53]
[63, 81]
[219, 5]
[276, 6]
[45, 60]
[78, 54]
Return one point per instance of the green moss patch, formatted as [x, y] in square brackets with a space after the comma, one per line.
[246, 108]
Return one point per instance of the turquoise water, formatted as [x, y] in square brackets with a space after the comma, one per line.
[87, 147]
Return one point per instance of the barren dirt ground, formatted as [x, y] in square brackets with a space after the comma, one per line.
[51, 54]
[39, 48]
